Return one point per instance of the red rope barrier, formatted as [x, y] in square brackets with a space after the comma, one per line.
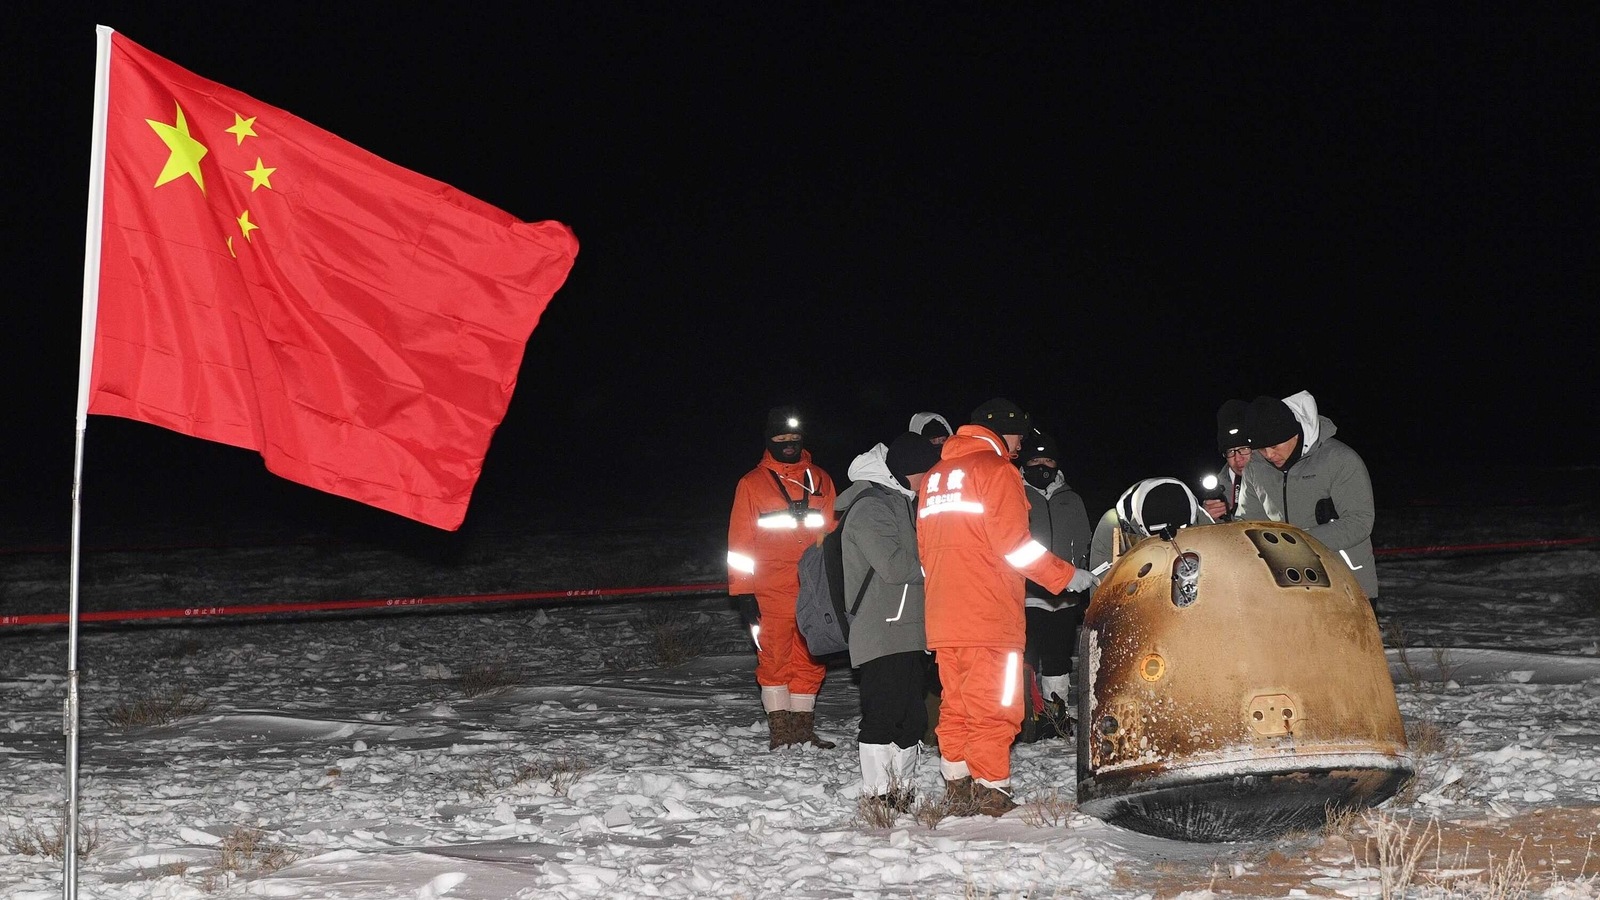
[1467, 548]
[197, 612]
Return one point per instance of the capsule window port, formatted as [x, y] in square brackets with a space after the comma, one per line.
[1293, 575]
[1145, 569]
[1108, 725]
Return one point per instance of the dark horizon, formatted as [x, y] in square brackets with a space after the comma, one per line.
[1117, 217]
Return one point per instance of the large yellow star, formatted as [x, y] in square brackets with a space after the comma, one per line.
[260, 176]
[242, 128]
[245, 225]
[186, 151]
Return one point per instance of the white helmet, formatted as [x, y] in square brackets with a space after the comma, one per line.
[1157, 505]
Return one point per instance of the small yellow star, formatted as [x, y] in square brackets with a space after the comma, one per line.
[245, 225]
[242, 128]
[186, 151]
[260, 176]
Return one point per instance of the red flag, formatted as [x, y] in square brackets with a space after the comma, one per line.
[268, 285]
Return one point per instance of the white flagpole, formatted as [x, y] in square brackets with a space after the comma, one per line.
[91, 307]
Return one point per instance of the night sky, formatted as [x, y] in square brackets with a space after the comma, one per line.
[1117, 215]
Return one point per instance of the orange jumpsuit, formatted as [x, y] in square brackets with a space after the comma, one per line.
[765, 540]
[973, 538]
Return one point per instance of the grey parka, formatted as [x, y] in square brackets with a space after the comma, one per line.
[1327, 470]
[881, 533]
[1058, 520]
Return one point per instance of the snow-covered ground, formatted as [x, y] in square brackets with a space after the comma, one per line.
[617, 749]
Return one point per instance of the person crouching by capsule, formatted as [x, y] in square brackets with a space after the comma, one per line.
[973, 539]
[781, 507]
[1150, 507]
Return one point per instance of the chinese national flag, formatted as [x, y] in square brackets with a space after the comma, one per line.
[268, 285]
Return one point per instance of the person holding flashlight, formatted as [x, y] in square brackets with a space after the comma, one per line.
[781, 507]
[1220, 494]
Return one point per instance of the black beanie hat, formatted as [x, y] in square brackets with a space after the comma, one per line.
[1270, 422]
[1001, 416]
[1230, 425]
[782, 420]
[911, 454]
[1036, 445]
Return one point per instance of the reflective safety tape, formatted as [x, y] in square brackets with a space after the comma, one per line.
[1025, 554]
[741, 563]
[814, 520]
[780, 520]
[959, 506]
[1008, 696]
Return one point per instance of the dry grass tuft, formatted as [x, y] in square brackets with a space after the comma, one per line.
[561, 773]
[1048, 811]
[33, 839]
[875, 812]
[881, 812]
[1339, 820]
[488, 677]
[674, 636]
[161, 709]
[248, 851]
[929, 812]
[1398, 853]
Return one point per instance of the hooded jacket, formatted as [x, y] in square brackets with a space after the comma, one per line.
[1058, 519]
[765, 538]
[972, 535]
[880, 534]
[1327, 470]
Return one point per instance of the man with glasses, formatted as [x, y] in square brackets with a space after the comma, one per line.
[1234, 445]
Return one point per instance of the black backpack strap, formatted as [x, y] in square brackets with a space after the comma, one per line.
[861, 594]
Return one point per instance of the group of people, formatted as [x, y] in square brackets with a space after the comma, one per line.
[970, 562]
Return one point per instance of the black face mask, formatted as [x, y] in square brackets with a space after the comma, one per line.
[1039, 476]
[785, 451]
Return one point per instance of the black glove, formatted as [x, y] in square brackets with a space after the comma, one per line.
[749, 609]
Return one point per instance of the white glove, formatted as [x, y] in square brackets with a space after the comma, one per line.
[1083, 580]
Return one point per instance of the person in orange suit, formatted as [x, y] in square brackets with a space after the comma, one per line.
[976, 550]
[781, 507]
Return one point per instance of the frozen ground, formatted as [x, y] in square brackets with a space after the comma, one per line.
[618, 749]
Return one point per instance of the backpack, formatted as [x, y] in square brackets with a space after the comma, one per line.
[820, 612]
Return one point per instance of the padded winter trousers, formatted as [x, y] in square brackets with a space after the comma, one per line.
[783, 660]
[1052, 638]
[981, 712]
[893, 710]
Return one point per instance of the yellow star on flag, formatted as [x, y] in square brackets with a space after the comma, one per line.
[260, 176]
[242, 128]
[186, 151]
[245, 225]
